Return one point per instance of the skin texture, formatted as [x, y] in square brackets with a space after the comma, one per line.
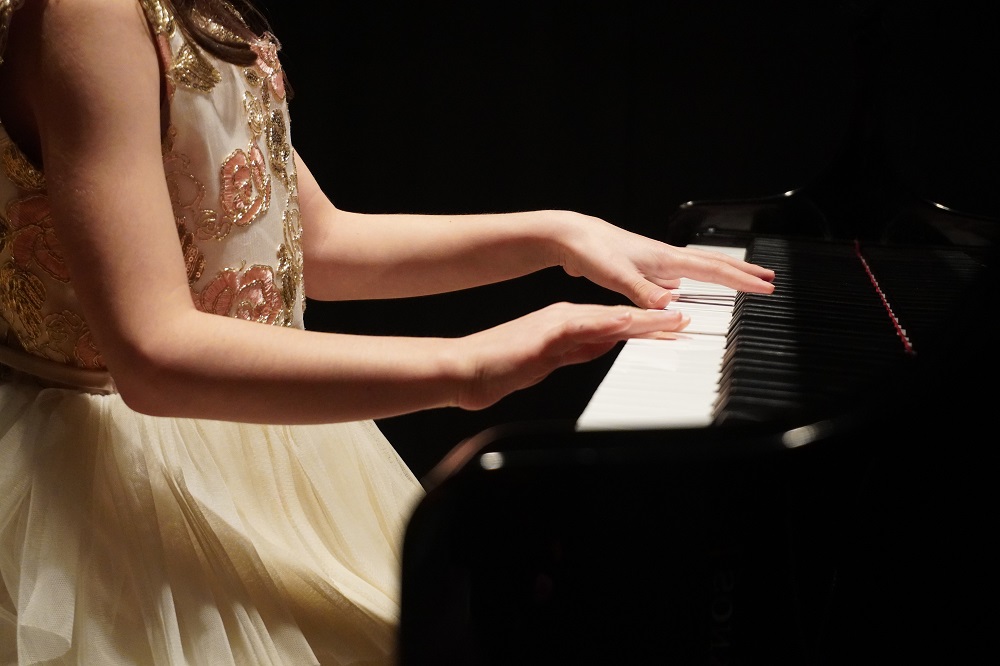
[81, 96]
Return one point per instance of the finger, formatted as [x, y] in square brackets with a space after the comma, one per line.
[627, 322]
[645, 291]
[646, 294]
[658, 325]
[658, 321]
[716, 258]
[724, 270]
[586, 352]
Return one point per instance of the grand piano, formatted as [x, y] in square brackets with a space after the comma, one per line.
[802, 479]
[835, 508]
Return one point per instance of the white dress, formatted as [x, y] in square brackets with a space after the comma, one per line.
[131, 539]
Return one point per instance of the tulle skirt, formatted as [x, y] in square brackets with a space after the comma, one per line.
[130, 539]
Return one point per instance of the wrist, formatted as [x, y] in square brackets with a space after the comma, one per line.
[454, 372]
[556, 231]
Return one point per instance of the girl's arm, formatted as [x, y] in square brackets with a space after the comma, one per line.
[358, 256]
[91, 83]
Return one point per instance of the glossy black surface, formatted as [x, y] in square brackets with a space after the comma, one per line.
[861, 538]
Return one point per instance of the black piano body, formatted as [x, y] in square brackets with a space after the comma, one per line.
[852, 528]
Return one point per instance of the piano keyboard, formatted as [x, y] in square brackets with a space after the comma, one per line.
[669, 383]
[843, 317]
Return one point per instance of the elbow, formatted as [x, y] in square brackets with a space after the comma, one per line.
[143, 389]
[147, 377]
[142, 401]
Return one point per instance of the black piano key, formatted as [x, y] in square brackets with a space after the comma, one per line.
[842, 316]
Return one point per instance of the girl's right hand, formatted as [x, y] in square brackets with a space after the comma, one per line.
[522, 352]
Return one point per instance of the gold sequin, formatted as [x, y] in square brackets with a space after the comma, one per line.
[187, 194]
[194, 259]
[22, 296]
[159, 16]
[167, 143]
[212, 226]
[254, 77]
[217, 30]
[255, 115]
[268, 77]
[33, 242]
[290, 262]
[68, 340]
[36, 298]
[245, 188]
[193, 70]
[19, 169]
[277, 146]
[248, 294]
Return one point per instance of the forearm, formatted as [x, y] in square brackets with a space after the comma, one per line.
[359, 256]
[251, 372]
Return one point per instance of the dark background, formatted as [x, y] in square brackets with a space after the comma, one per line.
[623, 110]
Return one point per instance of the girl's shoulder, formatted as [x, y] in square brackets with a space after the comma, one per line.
[53, 48]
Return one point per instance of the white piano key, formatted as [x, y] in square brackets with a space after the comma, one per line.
[668, 383]
[657, 384]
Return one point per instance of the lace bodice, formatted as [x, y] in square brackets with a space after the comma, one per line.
[228, 164]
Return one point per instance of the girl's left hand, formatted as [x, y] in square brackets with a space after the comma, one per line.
[645, 270]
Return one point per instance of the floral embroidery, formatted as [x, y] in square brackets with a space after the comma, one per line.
[269, 65]
[193, 70]
[245, 189]
[70, 340]
[186, 192]
[278, 147]
[267, 75]
[28, 234]
[213, 27]
[194, 259]
[19, 169]
[32, 239]
[290, 262]
[254, 77]
[257, 278]
[250, 295]
[22, 295]
[158, 16]
[190, 68]
[186, 196]
[86, 352]
[255, 115]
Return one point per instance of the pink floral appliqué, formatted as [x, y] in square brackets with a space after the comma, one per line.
[251, 295]
[32, 238]
[269, 65]
[246, 187]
